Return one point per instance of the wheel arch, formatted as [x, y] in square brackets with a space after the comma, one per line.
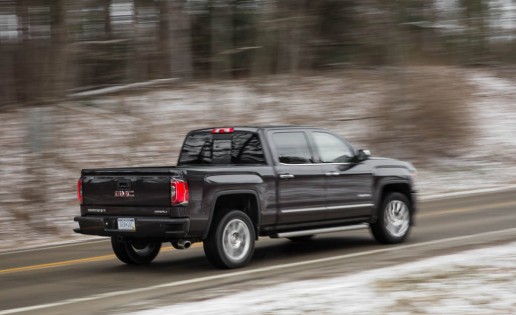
[246, 201]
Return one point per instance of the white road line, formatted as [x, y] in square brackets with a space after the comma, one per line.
[467, 192]
[249, 272]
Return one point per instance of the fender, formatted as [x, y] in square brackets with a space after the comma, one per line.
[219, 194]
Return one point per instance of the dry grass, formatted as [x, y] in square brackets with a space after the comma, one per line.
[425, 115]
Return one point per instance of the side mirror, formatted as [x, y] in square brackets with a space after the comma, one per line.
[362, 155]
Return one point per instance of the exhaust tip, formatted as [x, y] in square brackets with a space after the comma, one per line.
[181, 244]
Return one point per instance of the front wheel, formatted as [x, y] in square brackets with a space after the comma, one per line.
[230, 243]
[135, 252]
[394, 220]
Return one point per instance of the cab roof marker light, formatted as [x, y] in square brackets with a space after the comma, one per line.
[222, 130]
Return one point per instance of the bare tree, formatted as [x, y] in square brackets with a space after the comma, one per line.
[59, 49]
[175, 34]
[474, 17]
[221, 38]
[266, 38]
[292, 28]
[21, 57]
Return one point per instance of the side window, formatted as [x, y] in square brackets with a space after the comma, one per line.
[332, 149]
[292, 147]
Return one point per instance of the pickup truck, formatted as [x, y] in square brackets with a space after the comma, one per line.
[232, 185]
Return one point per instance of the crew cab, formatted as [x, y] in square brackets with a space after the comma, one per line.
[232, 185]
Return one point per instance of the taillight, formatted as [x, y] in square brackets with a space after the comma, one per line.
[79, 191]
[179, 192]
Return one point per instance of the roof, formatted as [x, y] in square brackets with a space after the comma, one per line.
[256, 128]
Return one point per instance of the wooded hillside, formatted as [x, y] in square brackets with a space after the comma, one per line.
[50, 49]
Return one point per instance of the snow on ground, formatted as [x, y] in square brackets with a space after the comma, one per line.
[480, 281]
[491, 158]
[43, 149]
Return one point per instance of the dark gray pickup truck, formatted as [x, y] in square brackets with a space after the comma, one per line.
[232, 185]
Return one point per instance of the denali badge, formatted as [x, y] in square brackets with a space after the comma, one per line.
[124, 193]
[97, 210]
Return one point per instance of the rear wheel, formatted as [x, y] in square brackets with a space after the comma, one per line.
[230, 243]
[394, 220]
[135, 252]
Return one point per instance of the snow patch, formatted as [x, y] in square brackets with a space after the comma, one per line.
[474, 282]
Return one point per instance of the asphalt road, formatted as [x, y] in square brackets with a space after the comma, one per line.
[86, 278]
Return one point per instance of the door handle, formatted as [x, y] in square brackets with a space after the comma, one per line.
[332, 174]
[286, 176]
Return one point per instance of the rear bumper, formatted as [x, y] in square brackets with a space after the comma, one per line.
[156, 228]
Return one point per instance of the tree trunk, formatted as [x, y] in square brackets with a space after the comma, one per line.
[266, 41]
[59, 49]
[137, 65]
[221, 38]
[22, 79]
[181, 56]
[174, 36]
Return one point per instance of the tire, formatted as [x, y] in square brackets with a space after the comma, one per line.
[301, 239]
[135, 252]
[394, 220]
[230, 242]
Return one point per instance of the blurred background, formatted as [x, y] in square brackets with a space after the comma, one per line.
[97, 83]
[51, 49]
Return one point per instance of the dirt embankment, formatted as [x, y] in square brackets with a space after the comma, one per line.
[441, 118]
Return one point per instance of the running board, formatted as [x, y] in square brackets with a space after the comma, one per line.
[324, 230]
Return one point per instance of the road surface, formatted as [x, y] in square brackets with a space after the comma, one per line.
[86, 278]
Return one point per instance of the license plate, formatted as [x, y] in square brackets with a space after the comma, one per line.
[126, 224]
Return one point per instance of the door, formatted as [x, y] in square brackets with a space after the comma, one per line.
[300, 182]
[349, 185]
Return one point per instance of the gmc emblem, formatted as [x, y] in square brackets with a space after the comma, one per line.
[124, 193]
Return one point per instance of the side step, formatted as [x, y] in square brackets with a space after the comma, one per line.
[321, 231]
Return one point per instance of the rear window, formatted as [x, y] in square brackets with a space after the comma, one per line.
[205, 148]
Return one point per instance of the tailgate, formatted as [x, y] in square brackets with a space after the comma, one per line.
[125, 190]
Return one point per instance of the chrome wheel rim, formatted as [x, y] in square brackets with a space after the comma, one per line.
[397, 218]
[236, 240]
